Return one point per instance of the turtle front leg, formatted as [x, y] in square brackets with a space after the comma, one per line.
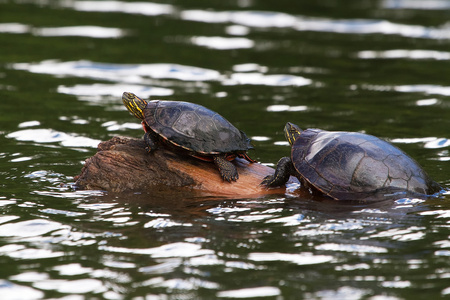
[284, 170]
[151, 141]
[227, 170]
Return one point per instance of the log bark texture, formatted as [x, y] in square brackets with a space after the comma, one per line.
[123, 165]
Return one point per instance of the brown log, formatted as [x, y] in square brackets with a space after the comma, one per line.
[123, 165]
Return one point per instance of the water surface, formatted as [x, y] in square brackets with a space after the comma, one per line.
[373, 66]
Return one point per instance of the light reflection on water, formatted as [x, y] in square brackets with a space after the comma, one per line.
[315, 239]
[404, 53]
[266, 19]
[222, 43]
[138, 74]
[96, 92]
[414, 4]
[52, 136]
[60, 243]
[144, 8]
[300, 23]
[83, 31]
[429, 89]
[116, 72]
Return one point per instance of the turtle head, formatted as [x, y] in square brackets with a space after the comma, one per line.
[292, 132]
[134, 104]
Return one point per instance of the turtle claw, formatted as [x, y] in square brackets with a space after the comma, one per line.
[230, 178]
[229, 175]
[281, 175]
[267, 181]
[227, 170]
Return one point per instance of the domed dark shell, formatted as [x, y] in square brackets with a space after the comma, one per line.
[194, 127]
[351, 166]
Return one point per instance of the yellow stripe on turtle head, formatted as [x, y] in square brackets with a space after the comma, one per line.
[292, 132]
[134, 104]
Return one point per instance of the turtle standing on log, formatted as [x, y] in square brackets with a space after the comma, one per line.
[190, 128]
[350, 166]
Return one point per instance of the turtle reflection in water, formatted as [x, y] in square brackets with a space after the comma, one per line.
[192, 129]
[349, 166]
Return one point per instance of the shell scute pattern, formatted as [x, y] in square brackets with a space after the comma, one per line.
[194, 128]
[342, 164]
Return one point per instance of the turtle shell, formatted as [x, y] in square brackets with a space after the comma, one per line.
[355, 166]
[194, 128]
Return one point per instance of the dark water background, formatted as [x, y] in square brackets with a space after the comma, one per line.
[380, 67]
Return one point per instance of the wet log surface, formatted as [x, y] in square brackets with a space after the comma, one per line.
[123, 165]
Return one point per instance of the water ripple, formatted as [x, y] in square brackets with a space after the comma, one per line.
[188, 284]
[265, 19]
[304, 258]
[5, 203]
[14, 28]
[94, 92]
[30, 228]
[33, 253]
[72, 269]
[61, 212]
[284, 107]
[142, 8]
[354, 248]
[162, 268]
[344, 292]
[83, 31]
[138, 74]
[222, 43]
[12, 291]
[163, 223]
[130, 73]
[414, 88]
[114, 126]
[414, 4]
[53, 136]
[404, 53]
[169, 250]
[262, 291]
[29, 124]
[412, 233]
[80, 286]
[269, 79]
[4, 219]
[258, 19]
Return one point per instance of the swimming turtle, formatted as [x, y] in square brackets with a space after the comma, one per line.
[192, 129]
[349, 165]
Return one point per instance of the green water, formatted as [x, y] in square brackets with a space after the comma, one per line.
[377, 67]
